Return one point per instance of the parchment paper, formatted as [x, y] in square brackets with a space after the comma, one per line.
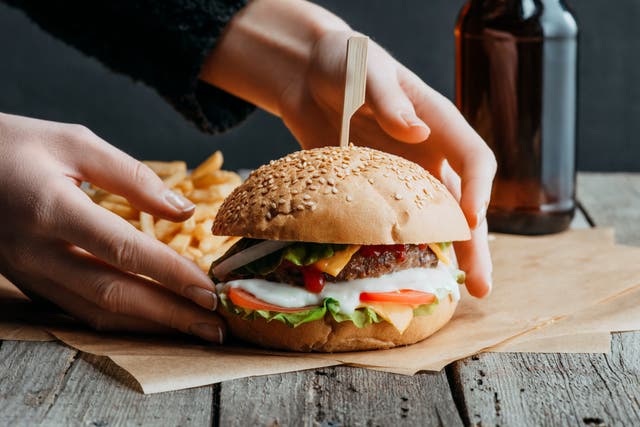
[539, 281]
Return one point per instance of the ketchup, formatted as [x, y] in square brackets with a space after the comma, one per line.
[399, 251]
[313, 279]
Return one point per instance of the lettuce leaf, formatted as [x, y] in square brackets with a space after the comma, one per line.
[444, 246]
[300, 254]
[425, 309]
[361, 317]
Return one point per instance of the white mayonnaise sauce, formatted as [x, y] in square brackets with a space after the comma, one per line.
[439, 281]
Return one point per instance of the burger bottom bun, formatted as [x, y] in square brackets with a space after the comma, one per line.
[327, 335]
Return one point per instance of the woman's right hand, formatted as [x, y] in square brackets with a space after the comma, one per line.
[55, 243]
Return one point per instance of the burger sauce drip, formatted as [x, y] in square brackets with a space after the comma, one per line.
[313, 279]
[399, 251]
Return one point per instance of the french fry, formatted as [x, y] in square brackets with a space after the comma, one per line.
[180, 243]
[195, 252]
[125, 211]
[211, 243]
[147, 224]
[175, 178]
[166, 229]
[207, 187]
[189, 225]
[134, 222]
[164, 169]
[213, 163]
[185, 186]
[211, 194]
[204, 262]
[203, 230]
[230, 241]
[206, 211]
[215, 178]
[115, 199]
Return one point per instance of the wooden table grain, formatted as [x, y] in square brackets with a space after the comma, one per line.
[51, 384]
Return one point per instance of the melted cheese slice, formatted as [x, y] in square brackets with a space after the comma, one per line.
[399, 315]
[439, 253]
[337, 262]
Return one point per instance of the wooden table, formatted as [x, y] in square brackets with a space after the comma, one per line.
[49, 383]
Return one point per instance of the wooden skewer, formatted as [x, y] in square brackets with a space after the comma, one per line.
[355, 84]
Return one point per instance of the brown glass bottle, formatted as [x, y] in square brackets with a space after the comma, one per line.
[516, 85]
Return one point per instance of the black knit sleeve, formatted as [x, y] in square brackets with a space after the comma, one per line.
[162, 43]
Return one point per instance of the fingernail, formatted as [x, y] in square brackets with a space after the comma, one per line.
[207, 331]
[481, 215]
[202, 297]
[178, 201]
[412, 120]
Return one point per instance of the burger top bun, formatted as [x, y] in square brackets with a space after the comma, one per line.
[349, 194]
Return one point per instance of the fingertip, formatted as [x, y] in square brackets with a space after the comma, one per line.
[479, 287]
[415, 130]
[412, 121]
[179, 207]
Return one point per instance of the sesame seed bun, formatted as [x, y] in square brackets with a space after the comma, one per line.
[327, 335]
[353, 195]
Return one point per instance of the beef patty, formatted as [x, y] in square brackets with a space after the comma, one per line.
[361, 265]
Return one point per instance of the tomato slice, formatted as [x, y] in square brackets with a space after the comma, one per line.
[403, 296]
[244, 299]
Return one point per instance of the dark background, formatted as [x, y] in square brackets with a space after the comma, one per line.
[42, 77]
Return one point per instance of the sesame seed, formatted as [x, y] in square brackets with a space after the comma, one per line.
[300, 207]
[306, 197]
[397, 196]
[370, 181]
[334, 190]
[349, 198]
[331, 181]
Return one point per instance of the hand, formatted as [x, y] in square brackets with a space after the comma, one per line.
[288, 57]
[55, 243]
[394, 119]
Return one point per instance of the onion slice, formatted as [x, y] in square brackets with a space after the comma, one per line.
[246, 256]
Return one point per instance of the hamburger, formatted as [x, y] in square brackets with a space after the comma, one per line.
[341, 249]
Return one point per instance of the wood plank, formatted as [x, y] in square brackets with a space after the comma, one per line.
[554, 389]
[31, 375]
[99, 393]
[613, 200]
[338, 396]
[50, 383]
